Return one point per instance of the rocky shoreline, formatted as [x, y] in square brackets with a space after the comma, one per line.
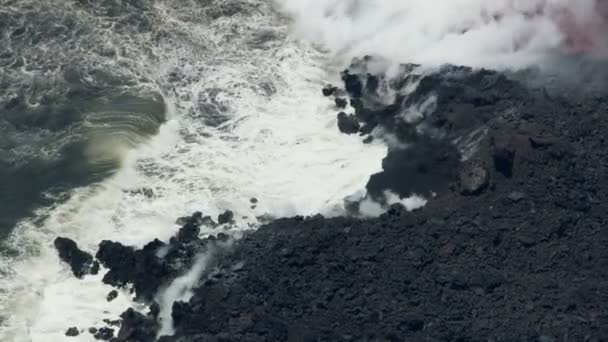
[512, 245]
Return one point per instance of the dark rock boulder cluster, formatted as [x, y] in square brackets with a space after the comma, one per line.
[157, 263]
[512, 247]
[147, 270]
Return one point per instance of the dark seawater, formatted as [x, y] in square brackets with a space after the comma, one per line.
[73, 97]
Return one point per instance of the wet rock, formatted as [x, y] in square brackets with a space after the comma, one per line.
[73, 331]
[329, 90]
[142, 268]
[94, 268]
[347, 124]
[104, 334]
[119, 259]
[80, 262]
[154, 310]
[474, 178]
[137, 327]
[341, 102]
[112, 295]
[226, 217]
[207, 221]
[352, 84]
[188, 232]
[110, 322]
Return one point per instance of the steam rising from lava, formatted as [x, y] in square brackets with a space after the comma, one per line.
[496, 33]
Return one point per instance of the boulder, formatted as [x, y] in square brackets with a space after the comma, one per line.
[225, 217]
[80, 262]
[329, 90]
[112, 295]
[73, 331]
[474, 178]
[341, 102]
[348, 124]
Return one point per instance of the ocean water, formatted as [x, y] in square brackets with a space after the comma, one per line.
[119, 116]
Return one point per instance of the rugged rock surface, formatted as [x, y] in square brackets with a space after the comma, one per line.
[80, 262]
[225, 217]
[347, 124]
[513, 247]
[474, 178]
[157, 263]
[104, 334]
[71, 332]
[112, 295]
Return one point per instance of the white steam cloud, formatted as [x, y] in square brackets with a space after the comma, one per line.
[368, 207]
[490, 33]
[180, 290]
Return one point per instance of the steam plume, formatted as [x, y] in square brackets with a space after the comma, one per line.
[490, 33]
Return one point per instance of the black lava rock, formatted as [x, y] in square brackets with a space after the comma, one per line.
[112, 295]
[352, 84]
[73, 331]
[154, 310]
[341, 102]
[80, 262]
[137, 327]
[474, 178]
[348, 124]
[488, 267]
[104, 334]
[143, 268]
[329, 90]
[225, 217]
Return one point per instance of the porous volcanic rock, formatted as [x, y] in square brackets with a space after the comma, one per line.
[71, 332]
[347, 124]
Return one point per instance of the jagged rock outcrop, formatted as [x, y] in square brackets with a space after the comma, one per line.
[71, 332]
[80, 262]
[432, 119]
[157, 263]
[137, 327]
